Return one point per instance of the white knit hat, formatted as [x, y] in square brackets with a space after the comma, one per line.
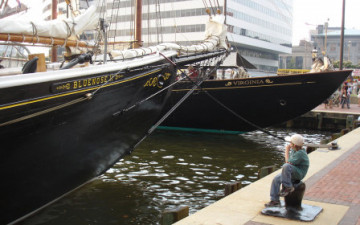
[296, 139]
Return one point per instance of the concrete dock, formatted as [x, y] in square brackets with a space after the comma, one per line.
[321, 118]
[354, 110]
[332, 182]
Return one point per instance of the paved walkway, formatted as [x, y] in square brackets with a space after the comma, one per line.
[354, 109]
[339, 183]
[333, 183]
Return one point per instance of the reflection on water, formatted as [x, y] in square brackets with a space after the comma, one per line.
[167, 170]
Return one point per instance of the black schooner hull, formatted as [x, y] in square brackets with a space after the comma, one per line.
[60, 129]
[56, 135]
[263, 101]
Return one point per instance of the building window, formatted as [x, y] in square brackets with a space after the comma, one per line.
[299, 62]
[243, 32]
[332, 48]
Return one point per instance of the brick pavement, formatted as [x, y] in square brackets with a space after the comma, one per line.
[339, 183]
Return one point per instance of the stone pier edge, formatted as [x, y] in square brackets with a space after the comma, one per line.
[245, 205]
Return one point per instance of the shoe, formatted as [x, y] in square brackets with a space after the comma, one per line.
[285, 191]
[273, 204]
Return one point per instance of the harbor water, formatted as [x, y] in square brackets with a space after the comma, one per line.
[168, 170]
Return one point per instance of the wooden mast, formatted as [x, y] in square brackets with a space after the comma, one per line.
[42, 40]
[34, 39]
[138, 24]
[54, 16]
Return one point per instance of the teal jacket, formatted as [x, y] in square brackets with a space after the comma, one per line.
[300, 161]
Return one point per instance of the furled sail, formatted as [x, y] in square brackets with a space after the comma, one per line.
[53, 28]
[215, 37]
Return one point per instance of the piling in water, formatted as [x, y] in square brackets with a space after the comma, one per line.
[171, 216]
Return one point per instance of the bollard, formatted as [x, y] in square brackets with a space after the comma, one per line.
[171, 216]
[335, 136]
[356, 124]
[310, 149]
[294, 209]
[232, 187]
[294, 199]
[266, 170]
[325, 141]
[344, 131]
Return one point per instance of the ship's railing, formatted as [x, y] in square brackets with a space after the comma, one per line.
[291, 71]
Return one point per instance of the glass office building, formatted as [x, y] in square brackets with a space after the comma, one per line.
[259, 29]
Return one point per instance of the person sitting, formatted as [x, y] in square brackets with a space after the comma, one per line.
[294, 170]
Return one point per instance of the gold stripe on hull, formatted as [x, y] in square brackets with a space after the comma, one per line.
[75, 92]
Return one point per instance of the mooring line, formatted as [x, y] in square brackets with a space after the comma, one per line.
[147, 98]
[235, 113]
[174, 107]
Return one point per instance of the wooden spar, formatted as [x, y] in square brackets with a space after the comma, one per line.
[138, 25]
[42, 40]
[54, 17]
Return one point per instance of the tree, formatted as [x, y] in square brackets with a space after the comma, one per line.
[291, 64]
[346, 64]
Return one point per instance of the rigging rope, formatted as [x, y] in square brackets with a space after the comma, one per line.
[238, 115]
[158, 22]
[212, 8]
[148, 25]
[173, 108]
[207, 8]
[232, 111]
[147, 98]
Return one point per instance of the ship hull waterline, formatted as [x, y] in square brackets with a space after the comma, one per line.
[263, 101]
[49, 147]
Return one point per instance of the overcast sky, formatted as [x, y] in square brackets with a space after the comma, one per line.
[307, 15]
[315, 12]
